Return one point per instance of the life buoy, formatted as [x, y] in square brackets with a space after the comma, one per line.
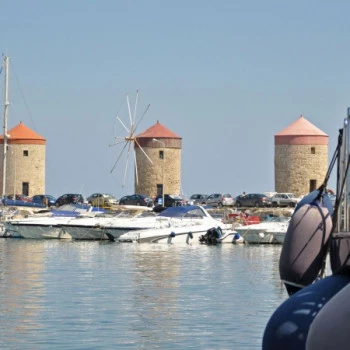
[306, 243]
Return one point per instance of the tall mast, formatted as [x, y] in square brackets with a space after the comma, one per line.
[7, 103]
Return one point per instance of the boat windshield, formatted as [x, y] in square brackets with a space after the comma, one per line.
[190, 211]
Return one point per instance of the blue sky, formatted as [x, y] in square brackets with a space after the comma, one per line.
[224, 75]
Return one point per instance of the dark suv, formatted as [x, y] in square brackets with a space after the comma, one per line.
[170, 200]
[253, 200]
[69, 198]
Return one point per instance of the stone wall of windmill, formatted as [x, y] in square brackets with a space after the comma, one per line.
[301, 157]
[25, 164]
[163, 147]
[26, 154]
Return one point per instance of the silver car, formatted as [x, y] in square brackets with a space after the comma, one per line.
[220, 199]
[284, 200]
[197, 199]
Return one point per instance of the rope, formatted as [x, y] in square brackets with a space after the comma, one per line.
[24, 99]
[331, 165]
[337, 199]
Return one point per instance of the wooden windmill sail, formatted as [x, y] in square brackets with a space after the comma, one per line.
[128, 141]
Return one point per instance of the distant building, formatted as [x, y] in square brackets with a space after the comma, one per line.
[163, 147]
[25, 170]
[301, 157]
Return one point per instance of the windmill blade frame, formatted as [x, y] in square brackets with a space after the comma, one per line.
[136, 169]
[120, 155]
[127, 163]
[142, 150]
[130, 138]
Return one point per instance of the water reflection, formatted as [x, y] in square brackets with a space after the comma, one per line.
[156, 289]
[140, 296]
[22, 287]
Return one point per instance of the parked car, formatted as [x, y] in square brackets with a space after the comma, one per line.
[137, 199]
[284, 200]
[197, 199]
[220, 199]
[102, 200]
[253, 200]
[170, 200]
[69, 198]
[44, 199]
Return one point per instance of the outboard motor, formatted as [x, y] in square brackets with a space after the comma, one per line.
[211, 237]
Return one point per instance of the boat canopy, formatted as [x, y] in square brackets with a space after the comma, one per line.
[184, 211]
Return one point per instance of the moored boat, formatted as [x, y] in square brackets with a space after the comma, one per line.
[270, 231]
[109, 225]
[46, 225]
[185, 225]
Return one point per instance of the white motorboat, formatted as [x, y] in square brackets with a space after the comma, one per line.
[186, 225]
[270, 231]
[110, 225]
[47, 224]
[44, 227]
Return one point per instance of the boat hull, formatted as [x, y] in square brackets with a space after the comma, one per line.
[36, 231]
[171, 235]
[87, 233]
[263, 235]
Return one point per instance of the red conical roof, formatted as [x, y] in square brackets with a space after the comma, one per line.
[21, 134]
[301, 127]
[158, 131]
[301, 132]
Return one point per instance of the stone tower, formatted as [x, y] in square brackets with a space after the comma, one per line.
[301, 157]
[25, 170]
[163, 147]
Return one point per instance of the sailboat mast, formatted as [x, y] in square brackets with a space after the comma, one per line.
[7, 103]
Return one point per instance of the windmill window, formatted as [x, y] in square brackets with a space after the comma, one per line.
[161, 154]
[25, 153]
[313, 150]
[25, 188]
[159, 189]
[312, 185]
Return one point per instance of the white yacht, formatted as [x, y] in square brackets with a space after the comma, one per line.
[186, 224]
[270, 231]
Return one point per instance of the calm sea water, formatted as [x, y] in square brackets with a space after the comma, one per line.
[102, 295]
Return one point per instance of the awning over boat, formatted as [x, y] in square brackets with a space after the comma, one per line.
[183, 211]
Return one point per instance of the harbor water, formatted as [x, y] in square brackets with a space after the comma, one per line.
[103, 295]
